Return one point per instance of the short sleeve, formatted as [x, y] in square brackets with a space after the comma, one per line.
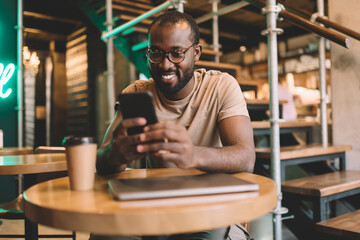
[231, 99]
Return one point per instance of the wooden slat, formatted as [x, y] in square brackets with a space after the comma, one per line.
[212, 52]
[286, 124]
[129, 9]
[324, 184]
[134, 4]
[76, 41]
[218, 65]
[141, 30]
[249, 82]
[126, 17]
[261, 101]
[299, 151]
[344, 226]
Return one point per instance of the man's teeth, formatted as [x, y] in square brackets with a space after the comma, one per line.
[168, 76]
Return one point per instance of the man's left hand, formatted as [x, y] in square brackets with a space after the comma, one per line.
[170, 142]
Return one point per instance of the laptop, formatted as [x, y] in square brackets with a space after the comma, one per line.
[178, 186]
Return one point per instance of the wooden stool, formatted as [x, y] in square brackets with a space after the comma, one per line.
[343, 227]
[294, 155]
[321, 189]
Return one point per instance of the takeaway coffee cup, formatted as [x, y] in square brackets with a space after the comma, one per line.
[81, 161]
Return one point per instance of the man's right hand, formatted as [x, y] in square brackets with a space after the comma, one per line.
[123, 146]
[118, 149]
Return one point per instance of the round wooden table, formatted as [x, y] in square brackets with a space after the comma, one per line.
[31, 165]
[7, 151]
[52, 203]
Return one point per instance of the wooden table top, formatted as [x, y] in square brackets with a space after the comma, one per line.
[262, 101]
[325, 184]
[300, 151]
[7, 151]
[285, 124]
[32, 163]
[52, 203]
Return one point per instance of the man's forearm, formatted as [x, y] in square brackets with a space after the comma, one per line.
[225, 159]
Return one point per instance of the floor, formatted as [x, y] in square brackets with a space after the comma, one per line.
[260, 229]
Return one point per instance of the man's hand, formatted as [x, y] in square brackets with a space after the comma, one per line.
[123, 146]
[169, 142]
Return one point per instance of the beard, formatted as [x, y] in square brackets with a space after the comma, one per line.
[182, 81]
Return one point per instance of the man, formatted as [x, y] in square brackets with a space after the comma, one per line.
[202, 115]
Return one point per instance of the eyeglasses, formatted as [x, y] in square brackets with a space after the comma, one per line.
[175, 56]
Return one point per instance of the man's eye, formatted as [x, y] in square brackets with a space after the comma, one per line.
[177, 53]
[155, 53]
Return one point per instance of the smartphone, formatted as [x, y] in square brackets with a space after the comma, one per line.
[139, 104]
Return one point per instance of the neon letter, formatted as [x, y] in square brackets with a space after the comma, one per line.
[5, 76]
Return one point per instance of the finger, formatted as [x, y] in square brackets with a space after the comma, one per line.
[134, 157]
[158, 146]
[126, 123]
[172, 157]
[134, 122]
[164, 125]
[164, 135]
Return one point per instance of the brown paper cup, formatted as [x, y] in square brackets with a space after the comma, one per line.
[81, 161]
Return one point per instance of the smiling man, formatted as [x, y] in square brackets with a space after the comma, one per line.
[202, 114]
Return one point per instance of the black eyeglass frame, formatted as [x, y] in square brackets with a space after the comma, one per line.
[167, 54]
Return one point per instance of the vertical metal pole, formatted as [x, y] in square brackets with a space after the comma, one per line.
[20, 72]
[272, 10]
[20, 78]
[215, 27]
[180, 5]
[322, 76]
[110, 62]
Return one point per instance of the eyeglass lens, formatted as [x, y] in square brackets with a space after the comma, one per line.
[175, 56]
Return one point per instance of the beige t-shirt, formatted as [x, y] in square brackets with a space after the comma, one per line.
[215, 96]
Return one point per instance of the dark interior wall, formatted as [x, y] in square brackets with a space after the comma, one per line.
[96, 67]
[59, 99]
[8, 113]
[8, 55]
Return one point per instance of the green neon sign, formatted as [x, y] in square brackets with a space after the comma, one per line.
[5, 75]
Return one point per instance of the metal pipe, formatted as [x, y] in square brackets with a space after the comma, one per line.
[312, 27]
[323, 20]
[180, 6]
[110, 62]
[215, 27]
[20, 72]
[20, 77]
[272, 31]
[322, 78]
[222, 11]
[307, 25]
[138, 19]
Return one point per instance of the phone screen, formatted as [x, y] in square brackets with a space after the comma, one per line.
[138, 104]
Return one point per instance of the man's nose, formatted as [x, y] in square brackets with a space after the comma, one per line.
[166, 63]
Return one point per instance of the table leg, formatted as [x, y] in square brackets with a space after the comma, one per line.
[319, 209]
[342, 160]
[31, 230]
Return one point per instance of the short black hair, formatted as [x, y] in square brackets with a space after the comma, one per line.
[174, 17]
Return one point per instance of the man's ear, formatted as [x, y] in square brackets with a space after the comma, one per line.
[197, 52]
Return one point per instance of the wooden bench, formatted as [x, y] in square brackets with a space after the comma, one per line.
[346, 226]
[232, 69]
[321, 189]
[263, 127]
[300, 154]
[257, 108]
